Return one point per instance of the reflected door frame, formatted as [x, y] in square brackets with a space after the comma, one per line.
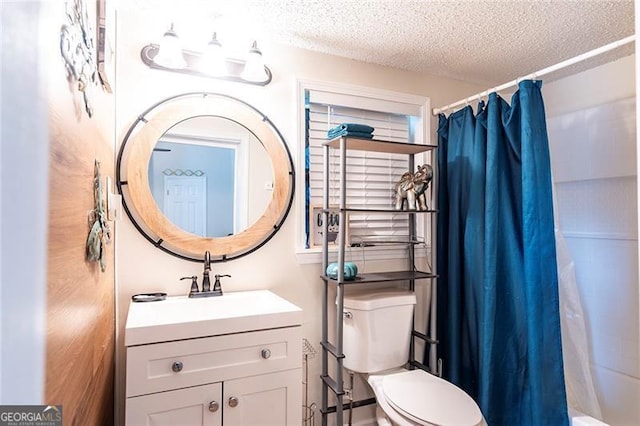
[241, 168]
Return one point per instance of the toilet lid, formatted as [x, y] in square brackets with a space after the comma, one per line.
[423, 397]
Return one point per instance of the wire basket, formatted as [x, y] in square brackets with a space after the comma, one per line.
[308, 410]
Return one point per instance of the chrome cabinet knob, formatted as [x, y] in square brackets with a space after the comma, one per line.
[177, 366]
[213, 406]
[233, 402]
[266, 353]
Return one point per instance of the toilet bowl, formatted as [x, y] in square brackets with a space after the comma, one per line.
[377, 331]
[408, 398]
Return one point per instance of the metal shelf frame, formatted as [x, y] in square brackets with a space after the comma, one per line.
[335, 382]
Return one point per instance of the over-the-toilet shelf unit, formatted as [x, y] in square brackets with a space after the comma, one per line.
[335, 383]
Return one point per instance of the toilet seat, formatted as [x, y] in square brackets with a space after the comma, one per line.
[424, 399]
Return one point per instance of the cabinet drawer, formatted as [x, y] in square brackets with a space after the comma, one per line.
[172, 365]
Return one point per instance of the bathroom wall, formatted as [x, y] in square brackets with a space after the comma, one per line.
[592, 136]
[276, 266]
[57, 310]
[80, 304]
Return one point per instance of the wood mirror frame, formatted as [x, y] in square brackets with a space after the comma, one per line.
[132, 176]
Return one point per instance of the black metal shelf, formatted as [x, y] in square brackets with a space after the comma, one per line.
[424, 337]
[386, 211]
[378, 145]
[354, 404]
[332, 349]
[381, 277]
[332, 385]
[378, 242]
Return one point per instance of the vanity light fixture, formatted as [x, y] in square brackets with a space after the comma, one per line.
[170, 56]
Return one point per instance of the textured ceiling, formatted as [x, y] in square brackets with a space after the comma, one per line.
[488, 42]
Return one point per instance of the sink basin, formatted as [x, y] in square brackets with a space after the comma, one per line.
[178, 318]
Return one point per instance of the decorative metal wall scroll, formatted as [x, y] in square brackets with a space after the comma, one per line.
[99, 232]
[78, 49]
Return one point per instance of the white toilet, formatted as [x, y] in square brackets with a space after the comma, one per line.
[377, 329]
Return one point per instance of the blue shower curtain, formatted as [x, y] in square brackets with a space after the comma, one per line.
[498, 310]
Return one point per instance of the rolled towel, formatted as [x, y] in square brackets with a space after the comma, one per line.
[352, 127]
[352, 134]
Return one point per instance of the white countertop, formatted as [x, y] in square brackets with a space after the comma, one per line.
[178, 318]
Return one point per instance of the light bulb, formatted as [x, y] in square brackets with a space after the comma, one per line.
[213, 61]
[254, 67]
[170, 51]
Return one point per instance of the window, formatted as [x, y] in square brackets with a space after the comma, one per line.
[370, 176]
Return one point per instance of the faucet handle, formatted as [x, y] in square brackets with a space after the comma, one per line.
[194, 284]
[217, 287]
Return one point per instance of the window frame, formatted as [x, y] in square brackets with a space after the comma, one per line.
[422, 135]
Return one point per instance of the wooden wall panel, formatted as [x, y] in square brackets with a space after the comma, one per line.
[80, 298]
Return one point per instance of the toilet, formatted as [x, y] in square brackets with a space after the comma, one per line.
[377, 332]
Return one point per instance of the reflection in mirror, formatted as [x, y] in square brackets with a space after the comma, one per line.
[210, 176]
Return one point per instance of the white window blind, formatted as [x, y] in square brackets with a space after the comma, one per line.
[370, 175]
[362, 102]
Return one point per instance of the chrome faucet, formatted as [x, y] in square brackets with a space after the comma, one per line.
[206, 284]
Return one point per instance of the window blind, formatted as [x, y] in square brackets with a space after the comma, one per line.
[394, 105]
[370, 175]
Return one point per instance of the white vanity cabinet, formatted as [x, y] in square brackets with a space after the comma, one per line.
[218, 362]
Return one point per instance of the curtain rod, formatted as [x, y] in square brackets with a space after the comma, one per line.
[540, 73]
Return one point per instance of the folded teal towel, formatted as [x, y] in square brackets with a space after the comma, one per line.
[333, 135]
[352, 127]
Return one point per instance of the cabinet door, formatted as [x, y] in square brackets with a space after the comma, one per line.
[266, 400]
[188, 407]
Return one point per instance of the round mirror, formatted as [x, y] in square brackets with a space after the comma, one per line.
[205, 172]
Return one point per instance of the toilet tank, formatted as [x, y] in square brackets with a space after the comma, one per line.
[377, 329]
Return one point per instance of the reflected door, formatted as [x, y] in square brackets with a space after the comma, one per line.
[185, 202]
